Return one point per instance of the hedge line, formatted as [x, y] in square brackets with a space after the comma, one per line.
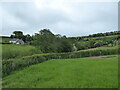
[12, 64]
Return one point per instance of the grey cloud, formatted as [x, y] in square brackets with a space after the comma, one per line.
[83, 18]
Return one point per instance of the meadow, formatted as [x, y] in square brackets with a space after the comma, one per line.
[4, 39]
[13, 51]
[67, 73]
[100, 48]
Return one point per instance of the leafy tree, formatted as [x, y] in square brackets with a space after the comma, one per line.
[66, 45]
[28, 38]
[44, 40]
[18, 34]
[48, 42]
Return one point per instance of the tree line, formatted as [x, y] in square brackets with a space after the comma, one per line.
[20, 35]
[96, 35]
[48, 42]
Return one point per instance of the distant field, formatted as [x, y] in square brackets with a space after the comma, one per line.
[101, 48]
[12, 50]
[67, 73]
[105, 36]
[5, 40]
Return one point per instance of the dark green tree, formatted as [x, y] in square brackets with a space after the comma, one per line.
[47, 42]
[28, 38]
[18, 34]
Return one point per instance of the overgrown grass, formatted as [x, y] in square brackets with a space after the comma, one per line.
[12, 50]
[67, 73]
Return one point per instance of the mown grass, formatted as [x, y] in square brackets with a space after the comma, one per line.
[67, 73]
[13, 51]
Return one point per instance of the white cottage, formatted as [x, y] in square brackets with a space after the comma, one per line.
[16, 41]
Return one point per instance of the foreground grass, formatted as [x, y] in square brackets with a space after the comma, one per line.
[67, 73]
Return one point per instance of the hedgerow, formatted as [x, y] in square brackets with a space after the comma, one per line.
[12, 64]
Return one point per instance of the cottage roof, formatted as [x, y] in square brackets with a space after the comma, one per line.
[14, 39]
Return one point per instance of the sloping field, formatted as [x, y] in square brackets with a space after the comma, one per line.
[67, 73]
[100, 48]
[13, 50]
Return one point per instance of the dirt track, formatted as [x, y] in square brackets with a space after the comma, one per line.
[96, 57]
[99, 56]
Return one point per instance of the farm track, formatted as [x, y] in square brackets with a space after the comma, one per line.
[101, 56]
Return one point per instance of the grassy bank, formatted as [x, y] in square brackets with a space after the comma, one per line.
[67, 73]
[13, 51]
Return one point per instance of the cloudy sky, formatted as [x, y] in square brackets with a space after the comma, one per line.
[65, 17]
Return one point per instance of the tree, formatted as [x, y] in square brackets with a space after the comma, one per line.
[47, 42]
[28, 38]
[12, 36]
[65, 45]
[44, 40]
[45, 32]
[18, 34]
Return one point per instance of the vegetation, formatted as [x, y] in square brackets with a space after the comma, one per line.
[67, 73]
[5, 39]
[13, 51]
[100, 35]
[47, 42]
[16, 64]
[19, 35]
[97, 42]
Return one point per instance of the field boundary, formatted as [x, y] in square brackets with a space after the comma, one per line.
[11, 65]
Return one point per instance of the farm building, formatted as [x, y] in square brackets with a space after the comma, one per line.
[16, 41]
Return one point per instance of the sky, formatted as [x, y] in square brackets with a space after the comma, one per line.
[66, 17]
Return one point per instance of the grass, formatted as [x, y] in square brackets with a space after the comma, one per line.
[67, 73]
[13, 51]
[5, 40]
[100, 48]
[111, 56]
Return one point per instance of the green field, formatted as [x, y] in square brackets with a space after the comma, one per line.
[13, 50]
[67, 73]
[100, 48]
[5, 40]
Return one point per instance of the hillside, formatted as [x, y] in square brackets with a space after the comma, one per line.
[93, 42]
[67, 73]
[48, 63]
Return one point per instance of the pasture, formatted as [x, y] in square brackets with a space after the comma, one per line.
[67, 73]
[5, 39]
[13, 51]
[100, 48]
